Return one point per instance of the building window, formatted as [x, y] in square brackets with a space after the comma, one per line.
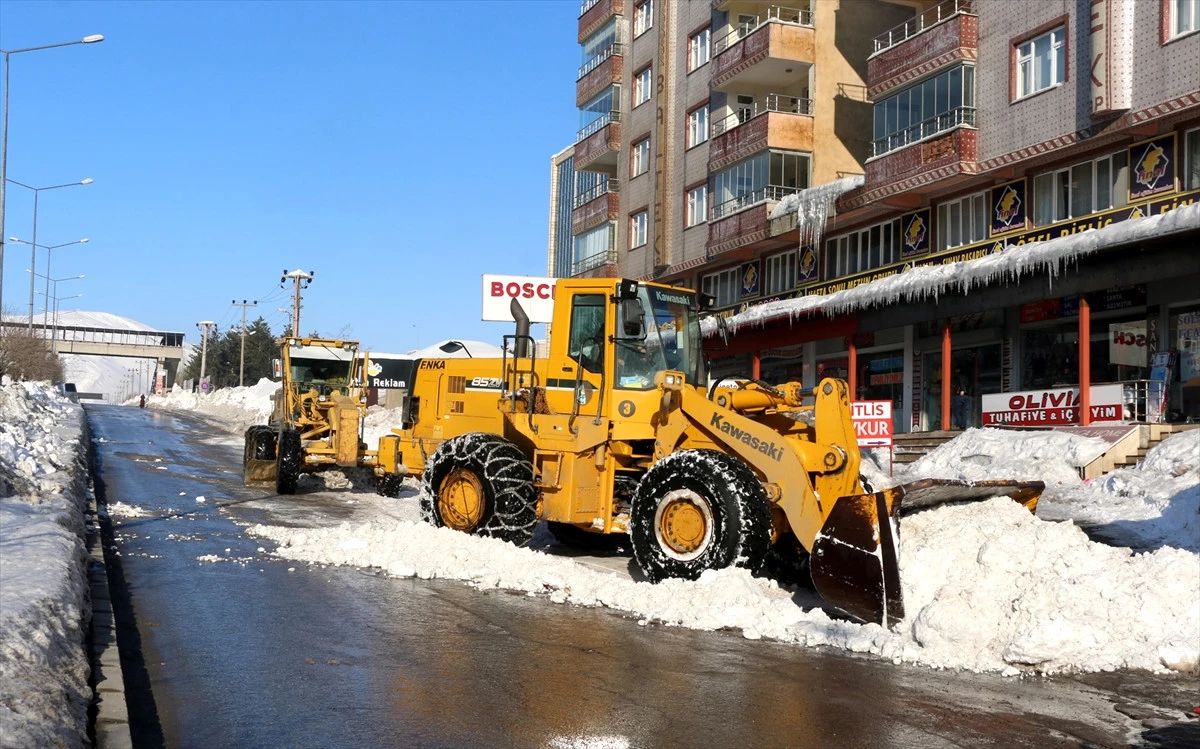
[780, 273]
[637, 229]
[1041, 62]
[937, 104]
[771, 175]
[641, 87]
[598, 111]
[1185, 17]
[723, 285]
[860, 251]
[594, 248]
[697, 205]
[699, 49]
[1191, 167]
[697, 129]
[598, 47]
[961, 222]
[639, 161]
[643, 17]
[1081, 189]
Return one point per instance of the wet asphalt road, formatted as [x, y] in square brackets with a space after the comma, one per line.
[266, 653]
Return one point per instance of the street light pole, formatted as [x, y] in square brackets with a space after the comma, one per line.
[46, 275]
[91, 39]
[34, 244]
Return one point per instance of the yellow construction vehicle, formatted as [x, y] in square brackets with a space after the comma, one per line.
[613, 431]
[317, 417]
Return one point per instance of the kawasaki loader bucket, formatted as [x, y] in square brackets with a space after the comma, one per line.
[854, 561]
[258, 470]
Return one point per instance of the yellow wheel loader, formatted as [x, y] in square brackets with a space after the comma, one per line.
[317, 417]
[613, 431]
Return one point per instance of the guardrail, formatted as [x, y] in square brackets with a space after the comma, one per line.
[761, 105]
[583, 265]
[924, 129]
[85, 334]
[776, 14]
[761, 195]
[612, 49]
[587, 5]
[917, 24]
[597, 124]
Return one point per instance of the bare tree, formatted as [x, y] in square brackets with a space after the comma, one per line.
[24, 354]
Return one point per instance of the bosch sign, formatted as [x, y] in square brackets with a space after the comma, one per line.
[535, 294]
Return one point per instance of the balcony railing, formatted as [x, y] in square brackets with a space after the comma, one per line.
[774, 13]
[597, 124]
[611, 185]
[761, 105]
[583, 265]
[921, 130]
[595, 62]
[761, 195]
[926, 20]
[587, 5]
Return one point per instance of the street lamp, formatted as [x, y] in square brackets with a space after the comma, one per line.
[55, 297]
[33, 248]
[90, 39]
[46, 275]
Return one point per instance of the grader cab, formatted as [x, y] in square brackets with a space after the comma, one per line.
[613, 431]
[316, 422]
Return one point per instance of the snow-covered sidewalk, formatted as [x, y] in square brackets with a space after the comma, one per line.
[44, 605]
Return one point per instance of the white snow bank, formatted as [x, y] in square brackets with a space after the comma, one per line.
[44, 693]
[236, 407]
[979, 454]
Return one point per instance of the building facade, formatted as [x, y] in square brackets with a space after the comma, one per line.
[963, 133]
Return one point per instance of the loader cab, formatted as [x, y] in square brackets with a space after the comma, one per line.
[658, 330]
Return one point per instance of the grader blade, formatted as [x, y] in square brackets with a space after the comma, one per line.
[855, 562]
[256, 471]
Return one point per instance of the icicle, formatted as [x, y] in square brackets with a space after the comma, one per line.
[812, 207]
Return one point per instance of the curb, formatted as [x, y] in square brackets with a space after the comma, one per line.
[110, 713]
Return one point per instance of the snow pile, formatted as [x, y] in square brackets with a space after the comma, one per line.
[980, 454]
[1153, 504]
[929, 282]
[236, 407]
[44, 693]
[814, 205]
[379, 422]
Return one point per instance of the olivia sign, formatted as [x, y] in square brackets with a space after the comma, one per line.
[1056, 407]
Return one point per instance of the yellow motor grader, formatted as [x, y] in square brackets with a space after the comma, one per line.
[613, 431]
[317, 417]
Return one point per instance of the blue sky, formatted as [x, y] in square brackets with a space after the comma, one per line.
[398, 149]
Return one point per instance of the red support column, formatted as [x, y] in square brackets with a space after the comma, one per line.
[946, 424]
[852, 367]
[1085, 361]
[755, 366]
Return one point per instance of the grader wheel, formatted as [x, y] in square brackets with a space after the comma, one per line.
[461, 500]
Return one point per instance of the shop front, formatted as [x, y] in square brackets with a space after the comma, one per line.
[976, 368]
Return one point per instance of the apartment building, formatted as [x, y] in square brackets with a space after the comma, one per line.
[963, 134]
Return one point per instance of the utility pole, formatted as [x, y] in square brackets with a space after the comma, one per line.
[300, 280]
[204, 326]
[242, 364]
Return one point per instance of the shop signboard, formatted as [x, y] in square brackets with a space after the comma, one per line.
[1047, 309]
[1008, 207]
[1051, 407]
[534, 293]
[1152, 167]
[1127, 343]
[872, 423]
[750, 275]
[809, 265]
[914, 229]
[1158, 394]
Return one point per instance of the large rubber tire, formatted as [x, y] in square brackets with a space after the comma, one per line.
[263, 446]
[481, 484]
[289, 455]
[390, 485]
[697, 510]
[578, 538]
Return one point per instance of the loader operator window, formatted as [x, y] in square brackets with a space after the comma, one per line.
[586, 344]
[672, 340]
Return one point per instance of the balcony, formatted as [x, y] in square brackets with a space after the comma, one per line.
[744, 220]
[773, 121]
[946, 34]
[595, 13]
[765, 51]
[943, 159]
[595, 206]
[601, 265]
[924, 130]
[598, 145]
[599, 73]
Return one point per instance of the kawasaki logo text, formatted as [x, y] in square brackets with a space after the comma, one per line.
[766, 448]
